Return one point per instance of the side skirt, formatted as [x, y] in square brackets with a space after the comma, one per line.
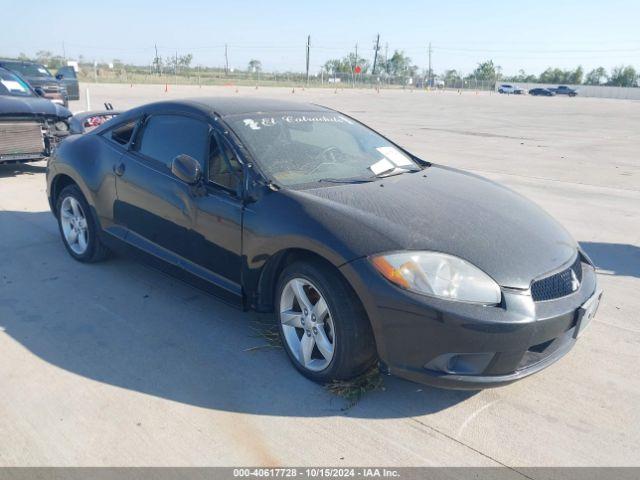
[129, 243]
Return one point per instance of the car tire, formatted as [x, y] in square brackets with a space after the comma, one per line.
[344, 326]
[77, 221]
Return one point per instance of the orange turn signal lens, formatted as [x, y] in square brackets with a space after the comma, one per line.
[389, 272]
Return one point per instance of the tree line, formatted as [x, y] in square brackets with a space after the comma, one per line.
[396, 64]
[400, 65]
[621, 76]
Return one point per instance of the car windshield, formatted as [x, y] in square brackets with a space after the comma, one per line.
[12, 85]
[28, 69]
[295, 148]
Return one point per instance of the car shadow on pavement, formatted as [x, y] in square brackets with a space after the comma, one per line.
[16, 169]
[121, 323]
[614, 258]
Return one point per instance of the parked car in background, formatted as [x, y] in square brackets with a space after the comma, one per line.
[444, 277]
[545, 92]
[69, 78]
[565, 90]
[30, 126]
[39, 78]
[510, 89]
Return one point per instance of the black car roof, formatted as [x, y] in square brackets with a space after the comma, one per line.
[224, 106]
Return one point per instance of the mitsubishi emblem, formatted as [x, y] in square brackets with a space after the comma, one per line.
[575, 283]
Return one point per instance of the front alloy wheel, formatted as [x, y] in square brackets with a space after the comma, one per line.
[307, 324]
[323, 326]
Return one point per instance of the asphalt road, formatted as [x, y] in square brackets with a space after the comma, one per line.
[117, 364]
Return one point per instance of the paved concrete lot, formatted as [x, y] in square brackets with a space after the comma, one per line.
[116, 364]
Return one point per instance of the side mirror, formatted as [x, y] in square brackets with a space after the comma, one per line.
[187, 169]
[59, 76]
[39, 91]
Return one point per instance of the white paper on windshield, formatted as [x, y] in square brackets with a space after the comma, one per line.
[381, 166]
[13, 86]
[396, 156]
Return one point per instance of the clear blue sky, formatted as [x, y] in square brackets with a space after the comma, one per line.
[518, 34]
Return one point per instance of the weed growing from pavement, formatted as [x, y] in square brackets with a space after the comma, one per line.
[267, 332]
[353, 390]
[350, 390]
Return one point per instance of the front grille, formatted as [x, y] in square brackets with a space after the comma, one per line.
[559, 284]
[19, 139]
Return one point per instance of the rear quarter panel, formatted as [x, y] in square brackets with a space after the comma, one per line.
[89, 160]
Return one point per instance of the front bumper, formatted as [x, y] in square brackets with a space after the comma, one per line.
[466, 346]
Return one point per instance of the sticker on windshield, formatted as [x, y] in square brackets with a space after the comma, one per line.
[394, 155]
[258, 123]
[382, 166]
[42, 70]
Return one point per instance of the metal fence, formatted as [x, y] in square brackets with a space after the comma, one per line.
[201, 76]
[198, 76]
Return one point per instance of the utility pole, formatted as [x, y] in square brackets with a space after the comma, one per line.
[157, 60]
[226, 60]
[355, 65]
[429, 80]
[64, 52]
[175, 69]
[375, 54]
[308, 45]
[386, 57]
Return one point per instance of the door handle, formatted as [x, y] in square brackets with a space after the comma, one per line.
[119, 169]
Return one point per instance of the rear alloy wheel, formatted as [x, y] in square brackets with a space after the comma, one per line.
[78, 227]
[323, 326]
[74, 225]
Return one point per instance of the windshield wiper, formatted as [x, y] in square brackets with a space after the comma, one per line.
[396, 171]
[348, 180]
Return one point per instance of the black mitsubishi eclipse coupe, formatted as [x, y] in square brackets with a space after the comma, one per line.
[364, 252]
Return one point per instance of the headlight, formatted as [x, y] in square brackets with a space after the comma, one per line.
[439, 275]
[61, 126]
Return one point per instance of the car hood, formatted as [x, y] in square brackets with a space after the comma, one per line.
[30, 106]
[450, 211]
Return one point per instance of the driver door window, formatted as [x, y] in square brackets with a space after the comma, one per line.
[166, 136]
[224, 169]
